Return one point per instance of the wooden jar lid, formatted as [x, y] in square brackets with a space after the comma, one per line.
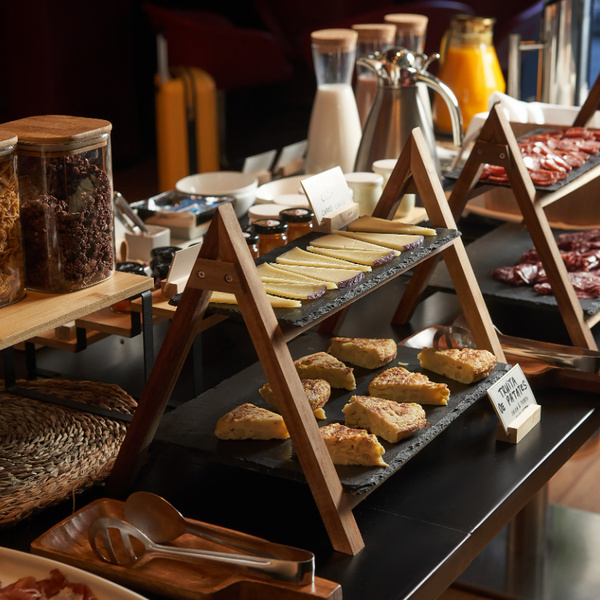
[408, 22]
[7, 139]
[58, 129]
[334, 39]
[375, 32]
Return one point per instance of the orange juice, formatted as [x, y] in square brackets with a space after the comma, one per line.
[470, 68]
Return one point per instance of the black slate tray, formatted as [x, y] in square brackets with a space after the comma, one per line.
[192, 424]
[592, 162]
[500, 248]
[312, 310]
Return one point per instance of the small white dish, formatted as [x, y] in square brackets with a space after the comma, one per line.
[292, 201]
[241, 186]
[265, 211]
[287, 185]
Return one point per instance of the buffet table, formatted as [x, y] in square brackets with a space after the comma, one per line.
[422, 528]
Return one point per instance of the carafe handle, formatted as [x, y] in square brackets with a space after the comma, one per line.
[448, 95]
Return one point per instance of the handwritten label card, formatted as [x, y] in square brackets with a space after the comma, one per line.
[292, 153]
[327, 192]
[259, 162]
[511, 396]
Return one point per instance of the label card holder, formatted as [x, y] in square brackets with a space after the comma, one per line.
[516, 406]
[180, 270]
[330, 198]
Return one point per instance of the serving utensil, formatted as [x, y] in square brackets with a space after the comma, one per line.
[162, 522]
[129, 215]
[119, 543]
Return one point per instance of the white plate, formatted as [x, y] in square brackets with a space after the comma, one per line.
[15, 564]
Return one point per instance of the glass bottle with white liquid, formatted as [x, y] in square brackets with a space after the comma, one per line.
[334, 131]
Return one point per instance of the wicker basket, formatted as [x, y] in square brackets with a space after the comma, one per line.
[48, 452]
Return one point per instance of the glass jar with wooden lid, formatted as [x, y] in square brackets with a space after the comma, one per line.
[66, 201]
[12, 267]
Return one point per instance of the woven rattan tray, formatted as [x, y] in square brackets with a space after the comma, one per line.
[48, 452]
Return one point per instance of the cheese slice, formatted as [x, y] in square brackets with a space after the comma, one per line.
[377, 225]
[298, 256]
[270, 273]
[388, 240]
[276, 302]
[341, 277]
[298, 291]
[336, 241]
[362, 257]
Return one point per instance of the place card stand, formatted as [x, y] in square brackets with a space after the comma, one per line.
[497, 145]
[517, 430]
[224, 264]
[338, 218]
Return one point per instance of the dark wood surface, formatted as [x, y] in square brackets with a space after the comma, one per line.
[422, 527]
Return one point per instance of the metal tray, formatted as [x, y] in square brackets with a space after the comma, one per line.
[192, 424]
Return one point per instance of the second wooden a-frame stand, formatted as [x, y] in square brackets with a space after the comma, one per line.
[497, 145]
[224, 264]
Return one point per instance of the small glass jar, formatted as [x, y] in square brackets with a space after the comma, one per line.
[252, 241]
[12, 267]
[299, 221]
[272, 233]
[66, 201]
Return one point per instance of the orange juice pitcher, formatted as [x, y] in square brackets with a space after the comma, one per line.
[469, 67]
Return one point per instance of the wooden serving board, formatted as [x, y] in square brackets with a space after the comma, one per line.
[68, 542]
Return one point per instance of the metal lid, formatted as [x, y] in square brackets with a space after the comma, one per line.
[251, 237]
[408, 22]
[328, 40]
[471, 24]
[270, 226]
[296, 215]
[375, 32]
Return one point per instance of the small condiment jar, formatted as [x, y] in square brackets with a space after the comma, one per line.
[252, 241]
[272, 233]
[299, 221]
[366, 190]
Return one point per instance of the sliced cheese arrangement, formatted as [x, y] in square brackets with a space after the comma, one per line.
[333, 261]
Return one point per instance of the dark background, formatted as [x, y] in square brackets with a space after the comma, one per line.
[99, 60]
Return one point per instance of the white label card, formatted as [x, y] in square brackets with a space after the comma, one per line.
[510, 396]
[327, 192]
[259, 162]
[182, 263]
[290, 153]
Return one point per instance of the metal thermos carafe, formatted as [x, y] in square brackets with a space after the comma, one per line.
[398, 107]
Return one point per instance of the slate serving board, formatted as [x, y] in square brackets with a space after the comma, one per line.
[313, 310]
[591, 162]
[500, 248]
[192, 424]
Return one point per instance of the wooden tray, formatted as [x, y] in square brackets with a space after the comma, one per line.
[68, 542]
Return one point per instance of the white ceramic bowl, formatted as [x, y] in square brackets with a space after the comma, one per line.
[241, 186]
[292, 201]
[267, 192]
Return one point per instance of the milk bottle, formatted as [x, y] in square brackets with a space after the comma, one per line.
[334, 131]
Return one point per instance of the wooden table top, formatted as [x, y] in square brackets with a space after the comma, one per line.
[38, 312]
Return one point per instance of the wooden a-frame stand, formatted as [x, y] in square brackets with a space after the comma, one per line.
[497, 145]
[224, 264]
